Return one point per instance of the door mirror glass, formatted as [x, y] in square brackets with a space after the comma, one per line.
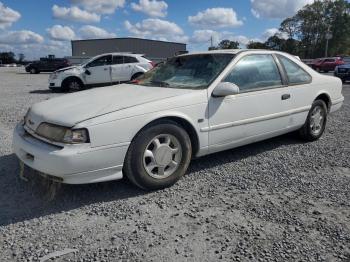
[225, 89]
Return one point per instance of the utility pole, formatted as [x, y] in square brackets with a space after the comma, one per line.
[328, 37]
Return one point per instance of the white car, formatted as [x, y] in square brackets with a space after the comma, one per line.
[190, 106]
[102, 70]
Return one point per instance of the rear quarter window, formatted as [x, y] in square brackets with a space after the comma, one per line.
[130, 60]
[296, 75]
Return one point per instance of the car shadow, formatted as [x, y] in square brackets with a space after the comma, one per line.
[41, 91]
[20, 200]
[49, 91]
[28, 73]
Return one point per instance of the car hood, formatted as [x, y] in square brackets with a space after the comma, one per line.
[67, 68]
[69, 110]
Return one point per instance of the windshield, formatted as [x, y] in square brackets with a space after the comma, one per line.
[191, 71]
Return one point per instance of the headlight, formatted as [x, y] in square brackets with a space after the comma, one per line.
[26, 117]
[53, 76]
[63, 134]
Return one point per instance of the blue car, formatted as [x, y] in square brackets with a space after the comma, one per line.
[343, 71]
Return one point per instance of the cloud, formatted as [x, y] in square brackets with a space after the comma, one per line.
[216, 18]
[74, 14]
[61, 33]
[204, 36]
[20, 37]
[100, 6]
[274, 31]
[277, 9]
[7, 16]
[152, 8]
[91, 32]
[155, 28]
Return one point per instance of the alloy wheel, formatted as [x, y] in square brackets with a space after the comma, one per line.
[162, 156]
[317, 120]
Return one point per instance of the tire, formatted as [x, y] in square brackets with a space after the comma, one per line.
[136, 76]
[311, 130]
[73, 84]
[34, 71]
[143, 155]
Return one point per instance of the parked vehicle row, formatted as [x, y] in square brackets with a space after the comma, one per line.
[47, 65]
[103, 70]
[189, 106]
[327, 64]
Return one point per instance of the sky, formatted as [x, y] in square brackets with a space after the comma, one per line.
[41, 27]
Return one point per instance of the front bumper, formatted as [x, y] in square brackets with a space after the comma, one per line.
[55, 84]
[337, 104]
[71, 164]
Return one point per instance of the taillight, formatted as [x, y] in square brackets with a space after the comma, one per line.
[152, 64]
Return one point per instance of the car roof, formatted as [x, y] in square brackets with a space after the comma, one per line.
[121, 53]
[237, 51]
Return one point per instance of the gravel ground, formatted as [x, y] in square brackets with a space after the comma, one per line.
[277, 200]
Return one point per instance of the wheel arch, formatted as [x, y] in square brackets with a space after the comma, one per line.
[138, 73]
[71, 77]
[182, 121]
[325, 97]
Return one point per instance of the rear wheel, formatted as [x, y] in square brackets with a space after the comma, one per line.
[316, 121]
[158, 156]
[136, 76]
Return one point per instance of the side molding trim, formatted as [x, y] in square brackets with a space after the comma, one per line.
[256, 119]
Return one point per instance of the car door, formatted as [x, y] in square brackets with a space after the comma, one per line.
[329, 65]
[259, 110]
[98, 71]
[117, 69]
[301, 90]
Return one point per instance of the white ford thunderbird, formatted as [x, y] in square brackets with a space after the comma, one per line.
[190, 106]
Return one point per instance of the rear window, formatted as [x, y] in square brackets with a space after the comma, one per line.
[130, 59]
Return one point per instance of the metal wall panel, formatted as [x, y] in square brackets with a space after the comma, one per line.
[152, 49]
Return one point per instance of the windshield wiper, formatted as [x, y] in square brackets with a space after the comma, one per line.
[160, 83]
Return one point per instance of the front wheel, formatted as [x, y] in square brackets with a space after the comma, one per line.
[158, 156]
[73, 84]
[34, 71]
[316, 121]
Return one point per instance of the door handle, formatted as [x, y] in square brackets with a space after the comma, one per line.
[105, 69]
[285, 96]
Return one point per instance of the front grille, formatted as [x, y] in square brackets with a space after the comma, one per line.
[343, 70]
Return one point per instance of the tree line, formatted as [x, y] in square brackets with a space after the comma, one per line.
[305, 33]
[10, 58]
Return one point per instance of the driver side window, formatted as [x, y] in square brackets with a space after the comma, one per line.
[255, 72]
[101, 61]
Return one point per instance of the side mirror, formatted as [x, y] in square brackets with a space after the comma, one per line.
[225, 89]
[87, 72]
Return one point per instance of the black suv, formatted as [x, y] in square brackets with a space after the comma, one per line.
[47, 65]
